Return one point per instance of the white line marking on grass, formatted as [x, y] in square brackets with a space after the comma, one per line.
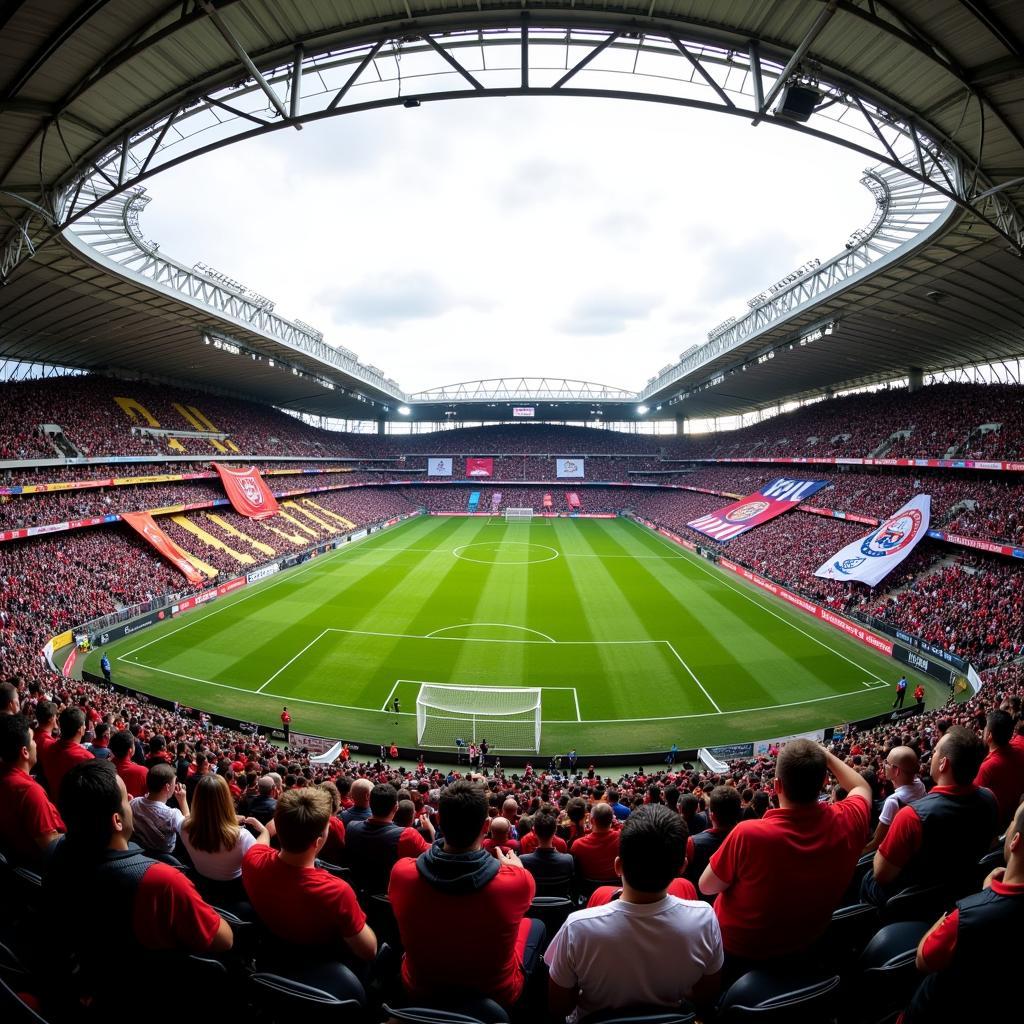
[282, 578]
[692, 676]
[517, 543]
[488, 640]
[290, 660]
[465, 625]
[720, 576]
[387, 700]
[576, 700]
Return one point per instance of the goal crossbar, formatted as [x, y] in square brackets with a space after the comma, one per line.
[509, 717]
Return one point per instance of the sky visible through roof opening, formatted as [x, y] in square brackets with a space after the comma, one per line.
[585, 238]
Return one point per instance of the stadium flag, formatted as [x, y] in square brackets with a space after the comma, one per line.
[144, 525]
[479, 467]
[548, 503]
[439, 467]
[569, 468]
[573, 499]
[249, 495]
[870, 559]
[474, 501]
[495, 501]
[776, 497]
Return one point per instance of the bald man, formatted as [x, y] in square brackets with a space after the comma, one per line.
[500, 838]
[902, 769]
[360, 796]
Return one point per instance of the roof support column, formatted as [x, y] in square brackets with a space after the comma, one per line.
[915, 375]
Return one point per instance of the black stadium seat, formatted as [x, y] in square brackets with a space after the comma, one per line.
[644, 1015]
[780, 997]
[888, 975]
[552, 910]
[466, 1010]
[282, 999]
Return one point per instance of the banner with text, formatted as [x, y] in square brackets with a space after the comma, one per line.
[776, 497]
[870, 559]
[571, 468]
[249, 495]
[144, 525]
[479, 467]
[439, 467]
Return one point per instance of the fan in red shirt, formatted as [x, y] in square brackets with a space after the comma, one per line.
[152, 905]
[491, 946]
[68, 751]
[298, 902]
[595, 852]
[29, 823]
[286, 723]
[122, 747]
[500, 837]
[779, 878]
[1002, 771]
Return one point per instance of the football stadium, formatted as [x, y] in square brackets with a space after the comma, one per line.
[692, 697]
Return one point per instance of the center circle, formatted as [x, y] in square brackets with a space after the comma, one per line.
[495, 549]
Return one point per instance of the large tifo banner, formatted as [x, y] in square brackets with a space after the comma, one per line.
[439, 467]
[870, 559]
[249, 495]
[144, 525]
[772, 500]
[569, 468]
[479, 467]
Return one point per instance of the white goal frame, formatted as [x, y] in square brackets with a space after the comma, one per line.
[509, 717]
[519, 515]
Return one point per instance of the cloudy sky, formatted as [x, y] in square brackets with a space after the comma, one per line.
[584, 238]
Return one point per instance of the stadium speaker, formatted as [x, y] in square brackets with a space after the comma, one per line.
[798, 102]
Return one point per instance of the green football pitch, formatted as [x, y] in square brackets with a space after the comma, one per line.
[634, 643]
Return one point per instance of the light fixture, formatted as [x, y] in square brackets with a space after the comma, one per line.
[641, 409]
[404, 410]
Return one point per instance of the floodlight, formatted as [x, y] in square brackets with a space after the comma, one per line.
[404, 410]
[641, 409]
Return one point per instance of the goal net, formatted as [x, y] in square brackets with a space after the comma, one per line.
[519, 515]
[507, 717]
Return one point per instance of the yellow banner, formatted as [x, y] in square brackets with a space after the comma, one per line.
[62, 640]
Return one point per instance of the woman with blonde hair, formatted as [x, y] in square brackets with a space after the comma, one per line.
[216, 838]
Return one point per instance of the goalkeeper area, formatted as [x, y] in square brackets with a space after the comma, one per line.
[598, 633]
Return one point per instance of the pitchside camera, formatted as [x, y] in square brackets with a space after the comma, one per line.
[798, 102]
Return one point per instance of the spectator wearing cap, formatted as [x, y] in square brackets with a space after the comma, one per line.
[596, 852]
[978, 939]
[1002, 771]
[29, 823]
[725, 808]
[646, 947]
[939, 838]
[122, 747]
[373, 846]
[68, 751]
[902, 767]
[495, 946]
[779, 878]
[297, 901]
[151, 905]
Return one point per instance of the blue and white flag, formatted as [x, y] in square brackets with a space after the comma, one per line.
[870, 559]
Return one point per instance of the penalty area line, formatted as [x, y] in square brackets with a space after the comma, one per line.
[290, 660]
[671, 647]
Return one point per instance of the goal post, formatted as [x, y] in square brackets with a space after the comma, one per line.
[519, 515]
[508, 717]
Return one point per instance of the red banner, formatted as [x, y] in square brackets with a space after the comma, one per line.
[249, 495]
[573, 500]
[772, 500]
[144, 525]
[479, 467]
[548, 503]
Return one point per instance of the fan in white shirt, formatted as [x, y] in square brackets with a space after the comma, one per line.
[902, 766]
[156, 822]
[646, 947]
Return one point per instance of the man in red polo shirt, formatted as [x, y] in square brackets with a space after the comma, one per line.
[68, 751]
[29, 823]
[300, 903]
[495, 946]
[122, 747]
[939, 838]
[148, 904]
[979, 939]
[1002, 771]
[779, 878]
[595, 852]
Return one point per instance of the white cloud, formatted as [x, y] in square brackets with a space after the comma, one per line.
[585, 238]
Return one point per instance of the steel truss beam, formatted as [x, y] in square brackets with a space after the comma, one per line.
[599, 59]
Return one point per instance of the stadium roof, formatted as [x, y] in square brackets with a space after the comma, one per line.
[83, 87]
